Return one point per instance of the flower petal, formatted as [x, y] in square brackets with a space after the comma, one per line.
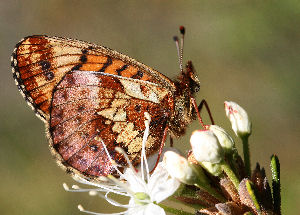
[151, 209]
[134, 181]
[161, 185]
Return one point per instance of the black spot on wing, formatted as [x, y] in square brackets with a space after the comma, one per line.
[45, 65]
[138, 75]
[49, 75]
[121, 69]
[83, 58]
[84, 51]
[76, 67]
[106, 64]
[94, 148]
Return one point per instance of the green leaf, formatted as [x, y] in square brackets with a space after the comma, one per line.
[275, 168]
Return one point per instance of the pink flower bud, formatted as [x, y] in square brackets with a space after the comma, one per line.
[238, 117]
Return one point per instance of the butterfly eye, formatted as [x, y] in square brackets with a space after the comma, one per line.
[194, 82]
[194, 86]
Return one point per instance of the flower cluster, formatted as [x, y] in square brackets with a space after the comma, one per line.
[213, 178]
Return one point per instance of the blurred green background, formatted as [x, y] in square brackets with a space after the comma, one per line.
[244, 51]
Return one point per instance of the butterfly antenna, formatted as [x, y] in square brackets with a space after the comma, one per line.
[179, 47]
[175, 38]
[182, 32]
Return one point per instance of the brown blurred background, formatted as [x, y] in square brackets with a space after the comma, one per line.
[244, 51]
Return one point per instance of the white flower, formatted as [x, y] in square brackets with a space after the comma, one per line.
[239, 119]
[158, 188]
[144, 190]
[224, 138]
[206, 146]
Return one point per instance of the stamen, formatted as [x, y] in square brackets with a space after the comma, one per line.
[120, 184]
[110, 159]
[103, 188]
[75, 187]
[80, 208]
[137, 177]
[115, 203]
[101, 178]
[93, 193]
[121, 151]
[66, 187]
[145, 137]
[142, 182]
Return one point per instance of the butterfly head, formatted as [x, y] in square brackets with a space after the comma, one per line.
[192, 80]
[187, 85]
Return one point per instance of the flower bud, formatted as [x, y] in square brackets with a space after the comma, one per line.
[224, 138]
[238, 117]
[179, 167]
[214, 169]
[152, 159]
[206, 146]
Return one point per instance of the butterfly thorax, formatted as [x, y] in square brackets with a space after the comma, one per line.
[187, 85]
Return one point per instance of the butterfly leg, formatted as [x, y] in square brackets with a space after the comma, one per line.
[161, 147]
[203, 102]
[193, 101]
[171, 141]
[199, 108]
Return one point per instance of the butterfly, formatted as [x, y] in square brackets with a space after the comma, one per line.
[88, 95]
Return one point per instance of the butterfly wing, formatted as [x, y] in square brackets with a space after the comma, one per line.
[90, 109]
[40, 62]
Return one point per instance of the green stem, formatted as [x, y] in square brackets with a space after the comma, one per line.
[187, 192]
[226, 168]
[195, 206]
[212, 192]
[203, 183]
[174, 211]
[246, 155]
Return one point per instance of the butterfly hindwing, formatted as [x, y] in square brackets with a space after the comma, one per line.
[91, 108]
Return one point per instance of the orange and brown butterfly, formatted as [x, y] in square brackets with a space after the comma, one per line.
[88, 95]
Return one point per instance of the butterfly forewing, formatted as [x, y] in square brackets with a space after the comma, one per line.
[40, 62]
